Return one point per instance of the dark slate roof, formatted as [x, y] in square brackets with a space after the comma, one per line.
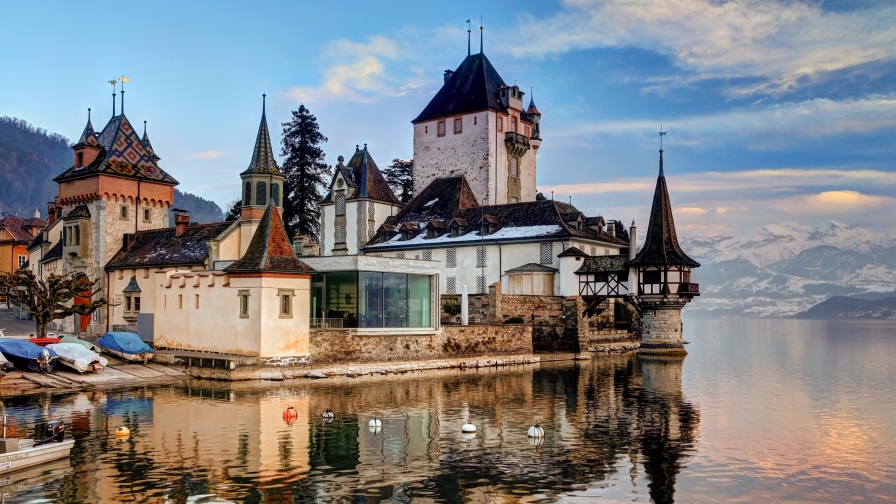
[473, 86]
[603, 264]
[88, 136]
[80, 211]
[532, 268]
[368, 182]
[661, 243]
[263, 161]
[532, 110]
[450, 198]
[122, 155]
[161, 247]
[594, 221]
[270, 250]
[132, 286]
[147, 144]
[38, 240]
[15, 227]
[55, 252]
[573, 252]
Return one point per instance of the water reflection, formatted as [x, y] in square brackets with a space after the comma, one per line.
[620, 418]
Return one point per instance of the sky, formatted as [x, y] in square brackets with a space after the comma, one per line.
[776, 110]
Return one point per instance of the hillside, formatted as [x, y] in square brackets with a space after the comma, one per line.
[839, 307]
[29, 159]
[787, 268]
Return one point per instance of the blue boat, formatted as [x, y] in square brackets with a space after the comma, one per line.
[26, 355]
[126, 345]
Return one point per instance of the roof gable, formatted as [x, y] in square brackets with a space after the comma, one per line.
[161, 247]
[472, 87]
[270, 250]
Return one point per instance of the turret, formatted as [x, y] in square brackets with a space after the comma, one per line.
[262, 181]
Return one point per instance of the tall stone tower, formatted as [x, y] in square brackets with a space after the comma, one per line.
[661, 278]
[115, 187]
[262, 183]
[476, 126]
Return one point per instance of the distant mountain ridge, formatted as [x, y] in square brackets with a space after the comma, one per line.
[31, 157]
[840, 307]
[787, 268]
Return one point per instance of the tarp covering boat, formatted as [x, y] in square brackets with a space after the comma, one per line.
[124, 343]
[25, 354]
[5, 365]
[78, 357]
[78, 341]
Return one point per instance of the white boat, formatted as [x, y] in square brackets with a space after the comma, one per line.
[78, 357]
[20, 454]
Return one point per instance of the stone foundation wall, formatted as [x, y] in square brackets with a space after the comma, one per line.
[661, 322]
[337, 346]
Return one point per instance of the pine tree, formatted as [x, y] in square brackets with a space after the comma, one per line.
[400, 177]
[305, 173]
[621, 231]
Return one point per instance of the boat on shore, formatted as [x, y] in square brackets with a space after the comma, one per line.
[78, 357]
[26, 355]
[17, 454]
[68, 338]
[126, 345]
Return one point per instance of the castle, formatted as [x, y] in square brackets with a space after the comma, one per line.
[475, 224]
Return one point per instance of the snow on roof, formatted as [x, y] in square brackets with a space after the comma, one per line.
[431, 203]
[506, 233]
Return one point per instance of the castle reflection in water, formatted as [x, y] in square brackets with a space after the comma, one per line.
[618, 417]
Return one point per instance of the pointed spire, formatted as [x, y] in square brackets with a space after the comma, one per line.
[147, 145]
[88, 135]
[469, 34]
[269, 250]
[532, 109]
[481, 30]
[263, 161]
[661, 242]
[362, 184]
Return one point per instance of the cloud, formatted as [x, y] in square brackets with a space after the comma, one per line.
[773, 127]
[782, 42]
[839, 202]
[212, 154]
[359, 72]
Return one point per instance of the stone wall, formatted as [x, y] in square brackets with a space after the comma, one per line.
[336, 346]
[661, 324]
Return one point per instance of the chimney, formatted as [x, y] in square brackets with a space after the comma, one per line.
[58, 208]
[129, 240]
[181, 221]
[51, 213]
[448, 74]
[632, 242]
[37, 213]
[611, 228]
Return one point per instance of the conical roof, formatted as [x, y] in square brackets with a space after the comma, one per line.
[263, 161]
[532, 110]
[270, 250]
[473, 86]
[88, 136]
[147, 145]
[661, 244]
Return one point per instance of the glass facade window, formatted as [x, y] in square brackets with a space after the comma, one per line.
[370, 302]
[342, 297]
[419, 301]
[261, 193]
[369, 299]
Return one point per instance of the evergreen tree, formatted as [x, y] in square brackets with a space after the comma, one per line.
[233, 210]
[539, 196]
[621, 231]
[400, 177]
[305, 173]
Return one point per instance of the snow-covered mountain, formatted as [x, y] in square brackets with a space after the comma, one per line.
[787, 268]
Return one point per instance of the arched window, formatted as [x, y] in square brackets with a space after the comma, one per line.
[275, 194]
[261, 194]
[247, 194]
[80, 162]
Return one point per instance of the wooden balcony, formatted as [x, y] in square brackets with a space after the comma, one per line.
[689, 289]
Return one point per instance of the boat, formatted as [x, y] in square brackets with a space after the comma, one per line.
[78, 358]
[49, 340]
[17, 454]
[126, 345]
[27, 355]
[5, 365]
[68, 338]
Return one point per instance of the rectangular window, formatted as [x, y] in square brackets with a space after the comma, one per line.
[147, 217]
[451, 258]
[22, 260]
[340, 204]
[127, 303]
[481, 257]
[602, 277]
[500, 124]
[196, 302]
[370, 230]
[244, 303]
[594, 250]
[514, 167]
[341, 297]
[440, 131]
[136, 303]
[451, 285]
[526, 130]
[427, 255]
[458, 125]
[652, 277]
[399, 255]
[340, 234]
[180, 301]
[370, 299]
[480, 285]
[286, 296]
[514, 200]
[547, 253]
[123, 212]
[606, 251]
[513, 124]
[77, 230]
[419, 300]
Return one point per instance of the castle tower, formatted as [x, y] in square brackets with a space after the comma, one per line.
[262, 182]
[476, 126]
[661, 278]
[114, 187]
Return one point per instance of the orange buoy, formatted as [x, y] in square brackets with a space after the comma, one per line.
[290, 414]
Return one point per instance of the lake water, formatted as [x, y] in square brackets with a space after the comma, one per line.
[759, 411]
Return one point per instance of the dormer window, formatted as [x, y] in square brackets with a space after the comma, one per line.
[455, 231]
[430, 233]
[484, 229]
[79, 160]
[405, 235]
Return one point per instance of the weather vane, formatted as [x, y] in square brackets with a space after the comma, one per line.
[662, 134]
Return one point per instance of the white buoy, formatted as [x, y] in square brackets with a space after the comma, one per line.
[328, 414]
[536, 442]
[468, 436]
[535, 432]
[468, 428]
[375, 423]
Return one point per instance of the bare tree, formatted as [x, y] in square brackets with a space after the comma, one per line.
[53, 298]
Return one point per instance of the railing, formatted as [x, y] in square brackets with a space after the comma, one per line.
[689, 289]
[327, 323]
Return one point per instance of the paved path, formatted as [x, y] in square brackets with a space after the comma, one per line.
[12, 326]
